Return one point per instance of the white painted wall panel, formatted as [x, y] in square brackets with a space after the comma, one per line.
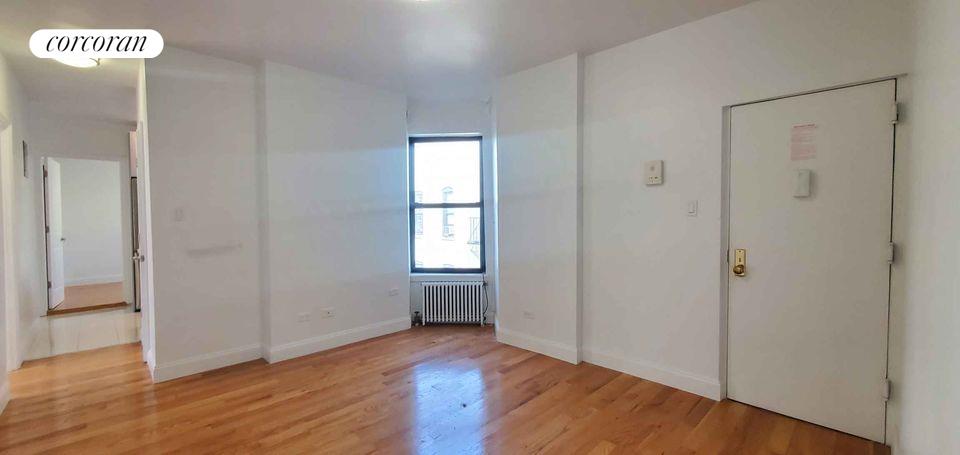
[537, 123]
[336, 218]
[202, 160]
[90, 195]
[926, 388]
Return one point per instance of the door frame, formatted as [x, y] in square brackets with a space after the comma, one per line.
[724, 265]
[125, 205]
[46, 228]
[9, 307]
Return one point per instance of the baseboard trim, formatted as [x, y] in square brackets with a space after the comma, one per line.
[205, 362]
[94, 280]
[4, 395]
[29, 338]
[543, 346]
[333, 340]
[151, 362]
[683, 380]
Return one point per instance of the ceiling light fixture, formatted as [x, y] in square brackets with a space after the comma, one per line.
[79, 62]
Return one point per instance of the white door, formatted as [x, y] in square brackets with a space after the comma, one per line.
[54, 229]
[808, 320]
[143, 237]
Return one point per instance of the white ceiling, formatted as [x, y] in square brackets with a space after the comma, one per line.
[429, 49]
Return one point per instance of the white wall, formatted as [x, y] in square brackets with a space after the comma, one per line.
[20, 288]
[927, 385]
[93, 251]
[427, 117]
[336, 222]
[202, 179]
[652, 275]
[537, 120]
[81, 138]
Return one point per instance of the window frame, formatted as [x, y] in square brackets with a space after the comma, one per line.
[414, 205]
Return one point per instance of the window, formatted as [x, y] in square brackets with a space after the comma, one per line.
[446, 185]
[474, 230]
[418, 218]
[448, 232]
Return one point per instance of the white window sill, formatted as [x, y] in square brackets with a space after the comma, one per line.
[418, 277]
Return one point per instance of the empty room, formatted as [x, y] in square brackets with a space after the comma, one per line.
[480, 226]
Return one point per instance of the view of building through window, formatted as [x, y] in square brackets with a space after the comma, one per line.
[447, 204]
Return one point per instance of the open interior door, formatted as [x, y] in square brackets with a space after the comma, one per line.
[54, 231]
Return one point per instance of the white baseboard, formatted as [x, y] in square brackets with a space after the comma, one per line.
[151, 362]
[205, 362]
[94, 280]
[333, 340]
[690, 382]
[550, 348]
[4, 395]
[28, 339]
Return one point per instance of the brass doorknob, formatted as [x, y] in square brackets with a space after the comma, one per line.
[740, 262]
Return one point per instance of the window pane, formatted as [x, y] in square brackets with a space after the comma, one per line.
[450, 239]
[447, 171]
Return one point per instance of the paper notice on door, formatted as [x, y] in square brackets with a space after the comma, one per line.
[803, 142]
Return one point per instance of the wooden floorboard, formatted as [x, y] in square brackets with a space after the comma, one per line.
[428, 390]
[90, 297]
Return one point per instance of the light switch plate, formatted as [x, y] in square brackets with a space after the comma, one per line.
[653, 171]
[801, 188]
[693, 207]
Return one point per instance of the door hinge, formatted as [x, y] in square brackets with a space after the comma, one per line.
[46, 229]
[49, 285]
[891, 252]
[885, 389]
[895, 114]
[44, 172]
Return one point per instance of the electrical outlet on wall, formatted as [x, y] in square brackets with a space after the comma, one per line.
[327, 313]
[653, 172]
[393, 292]
[529, 315]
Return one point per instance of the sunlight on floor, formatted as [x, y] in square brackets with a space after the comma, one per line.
[81, 331]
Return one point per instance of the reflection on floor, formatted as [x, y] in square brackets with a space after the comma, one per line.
[443, 390]
[81, 331]
[90, 296]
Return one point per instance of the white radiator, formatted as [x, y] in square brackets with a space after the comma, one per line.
[453, 302]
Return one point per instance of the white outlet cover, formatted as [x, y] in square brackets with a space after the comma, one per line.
[653, 171]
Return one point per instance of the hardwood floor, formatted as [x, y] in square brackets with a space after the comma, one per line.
[443, 390]
[89, 297]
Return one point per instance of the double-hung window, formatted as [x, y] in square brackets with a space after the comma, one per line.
[446, 205]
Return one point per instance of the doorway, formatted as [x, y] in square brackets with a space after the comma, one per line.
[83, 208]
[810, 210]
